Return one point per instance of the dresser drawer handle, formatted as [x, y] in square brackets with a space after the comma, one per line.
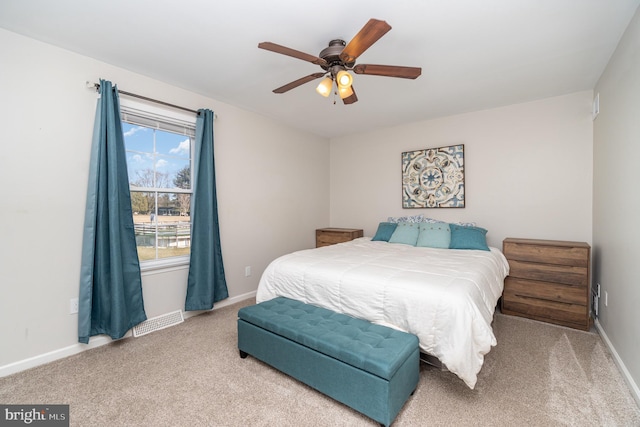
[543, 299]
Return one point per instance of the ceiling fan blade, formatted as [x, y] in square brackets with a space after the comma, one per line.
[368, 35]
[294, 84]
[388, 70]
[292, 52]
[351, 98]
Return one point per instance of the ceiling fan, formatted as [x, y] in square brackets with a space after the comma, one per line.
[339, 58]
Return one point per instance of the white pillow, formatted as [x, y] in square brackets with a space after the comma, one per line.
[411, 219]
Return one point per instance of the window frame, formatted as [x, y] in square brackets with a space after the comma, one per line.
[154, 117]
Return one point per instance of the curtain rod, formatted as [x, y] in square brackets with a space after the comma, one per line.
[97, 87]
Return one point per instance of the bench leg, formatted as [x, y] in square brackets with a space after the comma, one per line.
[243, 354]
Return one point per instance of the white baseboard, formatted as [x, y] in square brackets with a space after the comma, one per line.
[94, 342]
[635, 391]
[222, 304]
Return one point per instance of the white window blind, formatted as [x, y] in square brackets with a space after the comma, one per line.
[156, 121]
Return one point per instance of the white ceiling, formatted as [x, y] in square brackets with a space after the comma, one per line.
[474, 54]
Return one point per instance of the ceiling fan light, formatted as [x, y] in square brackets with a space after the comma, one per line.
[345, 92]
[344, 79]
[325, 86]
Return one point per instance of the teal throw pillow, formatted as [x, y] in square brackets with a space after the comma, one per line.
[434, 235]
[385, 230]
[406, 232]
[468, 237]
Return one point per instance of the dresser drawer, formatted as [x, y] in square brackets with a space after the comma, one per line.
[548, 252]
[566, 274]
[573, 315]
[546, 291]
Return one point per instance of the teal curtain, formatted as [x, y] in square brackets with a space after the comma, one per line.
[110, 299]
[206, 283]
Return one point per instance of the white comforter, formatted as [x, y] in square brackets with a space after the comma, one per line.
[444, 296]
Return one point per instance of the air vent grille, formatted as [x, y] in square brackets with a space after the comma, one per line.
[157, 323]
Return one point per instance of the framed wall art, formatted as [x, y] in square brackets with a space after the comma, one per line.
[433, 178]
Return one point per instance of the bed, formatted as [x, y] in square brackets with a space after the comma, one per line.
[446, 297]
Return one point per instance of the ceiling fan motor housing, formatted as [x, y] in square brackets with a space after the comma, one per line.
[331, 54]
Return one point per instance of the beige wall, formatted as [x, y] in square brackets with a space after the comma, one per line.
[616, 208]
[266, 209]
[528, 170]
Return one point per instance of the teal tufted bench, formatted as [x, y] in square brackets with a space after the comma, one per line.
[371, 368]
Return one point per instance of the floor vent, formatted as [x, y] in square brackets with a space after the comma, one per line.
[157, 323]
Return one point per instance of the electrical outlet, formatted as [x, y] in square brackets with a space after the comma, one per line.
[247, 271]
[598, 290]
[73, 306]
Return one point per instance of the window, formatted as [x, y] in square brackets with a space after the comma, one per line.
[159, 153]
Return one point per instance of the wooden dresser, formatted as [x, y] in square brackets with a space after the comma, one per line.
[549, 280]
[331, 236]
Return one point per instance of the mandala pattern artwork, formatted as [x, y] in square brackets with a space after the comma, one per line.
[433, 178]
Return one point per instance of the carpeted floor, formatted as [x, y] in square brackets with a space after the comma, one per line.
[191, 375]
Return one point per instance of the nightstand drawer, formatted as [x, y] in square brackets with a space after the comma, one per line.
[546, 291]
[566, 274]
[548, 252]
[331, 236]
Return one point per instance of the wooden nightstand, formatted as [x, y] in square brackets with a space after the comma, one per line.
[331, 236]
[549, 280]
